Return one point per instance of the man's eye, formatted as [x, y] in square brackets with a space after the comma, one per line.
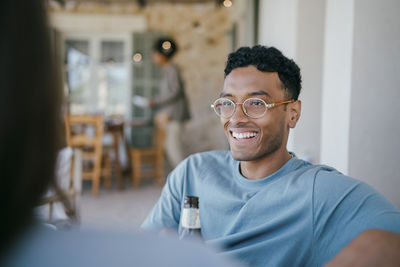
[256, 103]
[227, 103]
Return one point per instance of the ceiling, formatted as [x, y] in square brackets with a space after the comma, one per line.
[144, 2]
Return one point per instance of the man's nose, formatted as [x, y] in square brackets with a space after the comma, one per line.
[239, 115]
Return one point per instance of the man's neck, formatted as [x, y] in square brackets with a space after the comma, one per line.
[264, 167]
[166, 63]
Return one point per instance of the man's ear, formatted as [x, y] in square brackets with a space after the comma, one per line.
[294, 113]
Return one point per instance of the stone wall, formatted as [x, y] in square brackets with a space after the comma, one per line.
[202, 32]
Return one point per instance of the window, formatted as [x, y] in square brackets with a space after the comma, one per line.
[97, 74]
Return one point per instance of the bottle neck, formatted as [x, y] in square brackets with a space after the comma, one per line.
[191, 202]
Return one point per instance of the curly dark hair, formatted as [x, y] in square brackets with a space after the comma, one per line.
[268, 59]
[165, 46]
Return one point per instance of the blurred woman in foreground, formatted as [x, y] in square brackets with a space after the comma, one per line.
[30, 120]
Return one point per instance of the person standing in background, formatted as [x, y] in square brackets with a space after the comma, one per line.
[171, 98]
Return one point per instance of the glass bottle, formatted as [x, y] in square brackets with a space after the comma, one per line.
[190, 219]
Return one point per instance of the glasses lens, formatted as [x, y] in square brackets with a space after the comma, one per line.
[254, 107]
[224, 107]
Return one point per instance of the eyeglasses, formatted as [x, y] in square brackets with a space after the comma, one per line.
[252, 107]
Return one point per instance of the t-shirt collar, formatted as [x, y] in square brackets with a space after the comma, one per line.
[288, 167]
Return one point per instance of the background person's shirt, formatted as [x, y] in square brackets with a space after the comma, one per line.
[301, 215]
[171, 98]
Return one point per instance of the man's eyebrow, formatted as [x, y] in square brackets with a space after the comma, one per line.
[224, 94]
[256, 93]
[259, 93]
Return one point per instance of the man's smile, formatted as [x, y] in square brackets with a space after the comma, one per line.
[246, 135]
[243, 135]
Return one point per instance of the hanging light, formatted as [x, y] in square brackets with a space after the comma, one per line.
[227, 3]
[137, 57]
[166, 45]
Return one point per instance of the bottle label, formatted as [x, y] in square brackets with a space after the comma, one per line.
[190, 218]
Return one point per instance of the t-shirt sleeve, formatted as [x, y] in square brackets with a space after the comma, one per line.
[166, 212]
[343, 208]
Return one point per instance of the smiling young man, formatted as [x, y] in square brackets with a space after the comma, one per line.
[260, 203]
[259, 141]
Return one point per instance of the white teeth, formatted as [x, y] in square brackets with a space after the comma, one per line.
[243, 135]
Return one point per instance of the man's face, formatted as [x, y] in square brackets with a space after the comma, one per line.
[253, 139]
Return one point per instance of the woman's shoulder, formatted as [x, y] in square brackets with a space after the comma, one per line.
[44, 247]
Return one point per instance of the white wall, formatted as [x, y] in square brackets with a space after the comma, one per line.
[309, 53]
[375, 100]
[336, 87]
[349, 54]
[277, 25]
[296, 27]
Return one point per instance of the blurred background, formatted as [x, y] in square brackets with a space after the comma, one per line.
[348, 52]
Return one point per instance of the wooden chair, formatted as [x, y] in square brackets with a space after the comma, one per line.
[86, 132]
[153, 156]
[68, 173]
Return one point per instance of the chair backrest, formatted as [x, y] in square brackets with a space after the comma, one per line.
[160, 130]
[84, 130]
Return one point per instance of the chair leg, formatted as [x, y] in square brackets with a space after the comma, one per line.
[159, 167]
[95, 187]
[118, 172]
[119, 177]
[136, 164]
[107, 171]
[96, 179]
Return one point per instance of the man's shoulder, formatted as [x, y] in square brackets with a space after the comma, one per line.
[331, 186]
[322, 172]
[305, 168]
[325, 178]
[330, 176]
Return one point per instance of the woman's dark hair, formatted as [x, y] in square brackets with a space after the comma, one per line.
[268, 59]
[30, 119]
[166, 47]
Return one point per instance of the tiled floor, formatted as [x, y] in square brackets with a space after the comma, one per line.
[118, 210]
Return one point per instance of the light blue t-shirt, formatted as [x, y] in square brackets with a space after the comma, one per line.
[301, 215]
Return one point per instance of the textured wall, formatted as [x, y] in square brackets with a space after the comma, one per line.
[201, 32]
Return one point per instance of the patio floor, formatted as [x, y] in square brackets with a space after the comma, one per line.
[118, 209]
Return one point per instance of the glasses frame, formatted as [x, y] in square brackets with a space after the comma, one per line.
[267, 106]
